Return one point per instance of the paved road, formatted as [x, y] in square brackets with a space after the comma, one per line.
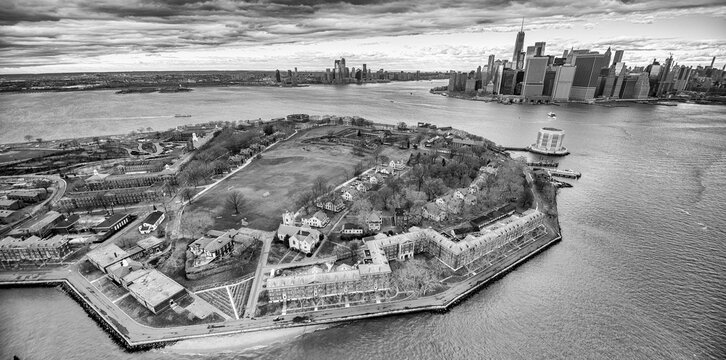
[257, 282]
[137, 333]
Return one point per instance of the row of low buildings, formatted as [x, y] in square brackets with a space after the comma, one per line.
[24, 196]
[453, 202]
[149, 287]
[34, 248]
[48, 238]
[374, 274]
[368, 181]
[99, 181]
[107, 198]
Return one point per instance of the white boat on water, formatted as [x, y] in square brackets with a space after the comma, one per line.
[552, 115]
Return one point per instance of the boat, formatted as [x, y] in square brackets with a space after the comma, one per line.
[560, 184]
[564, 173]
[552, 115]
[182, 115]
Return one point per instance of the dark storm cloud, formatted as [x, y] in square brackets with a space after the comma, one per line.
[86, 28]
[11, 16]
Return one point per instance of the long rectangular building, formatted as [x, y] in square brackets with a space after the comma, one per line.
[34, 248]
[153, 289]
[374, 274]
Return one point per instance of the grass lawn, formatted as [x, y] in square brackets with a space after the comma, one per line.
[277, 251]
[270, 184]
[15, 155]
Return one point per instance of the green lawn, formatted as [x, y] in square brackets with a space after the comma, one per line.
[15, 155]
[270, 184]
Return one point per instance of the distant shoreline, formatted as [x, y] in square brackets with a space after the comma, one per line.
[516, 99]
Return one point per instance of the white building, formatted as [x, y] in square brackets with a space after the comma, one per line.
[549, 141]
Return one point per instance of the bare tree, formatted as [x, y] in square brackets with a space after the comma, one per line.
[235, 201]
[358, 169]
[304, 199]
[187, 194]
[43, 183]
[193, 226]
[320, 186]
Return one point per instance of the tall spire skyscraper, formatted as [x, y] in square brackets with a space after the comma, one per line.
[518, 46]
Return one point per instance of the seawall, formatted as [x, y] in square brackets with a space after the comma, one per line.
[441, 302]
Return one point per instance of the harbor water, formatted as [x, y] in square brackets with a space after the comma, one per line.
[640, 272]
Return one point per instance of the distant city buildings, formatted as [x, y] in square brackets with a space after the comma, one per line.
[582, 75]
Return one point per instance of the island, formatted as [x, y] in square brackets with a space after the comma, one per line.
[224, 228]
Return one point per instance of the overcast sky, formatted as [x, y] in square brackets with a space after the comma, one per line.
[119, 35]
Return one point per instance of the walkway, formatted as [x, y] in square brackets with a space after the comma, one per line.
[136, 334]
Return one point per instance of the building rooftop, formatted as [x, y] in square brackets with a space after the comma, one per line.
[313, 277]
[107, 255]
[351, 226]
[7, 202]
[49, 218]
[149, 242]
[28, 192]
[124, 267]
[374, 217]
[211, 244]
[152, 286]
[111, 220]
[34, 242]
[6, 213]
[153, 217]
[67, 222]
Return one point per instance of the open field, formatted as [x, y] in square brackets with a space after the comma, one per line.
[24, 154]
[270, 184]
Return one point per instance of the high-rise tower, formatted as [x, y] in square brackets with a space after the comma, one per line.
[490, 68]
[518, 46]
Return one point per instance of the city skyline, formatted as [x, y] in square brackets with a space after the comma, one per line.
[39, 36]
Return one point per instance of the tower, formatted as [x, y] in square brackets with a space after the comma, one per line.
[518, 44]
[490, 68]
[606, 61]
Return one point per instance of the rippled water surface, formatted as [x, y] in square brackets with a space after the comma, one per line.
[640, 273]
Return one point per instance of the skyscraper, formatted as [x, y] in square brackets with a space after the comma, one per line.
[534, 74]
[585, 83]
[662, 85]
[563, 82]
[518, 44]
[618, 56]
[608, 55]
[490, 69]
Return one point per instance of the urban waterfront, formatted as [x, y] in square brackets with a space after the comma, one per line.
[639, 273]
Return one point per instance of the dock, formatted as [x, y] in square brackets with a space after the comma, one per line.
[543, 163]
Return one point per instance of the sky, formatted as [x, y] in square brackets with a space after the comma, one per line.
[43, 36]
